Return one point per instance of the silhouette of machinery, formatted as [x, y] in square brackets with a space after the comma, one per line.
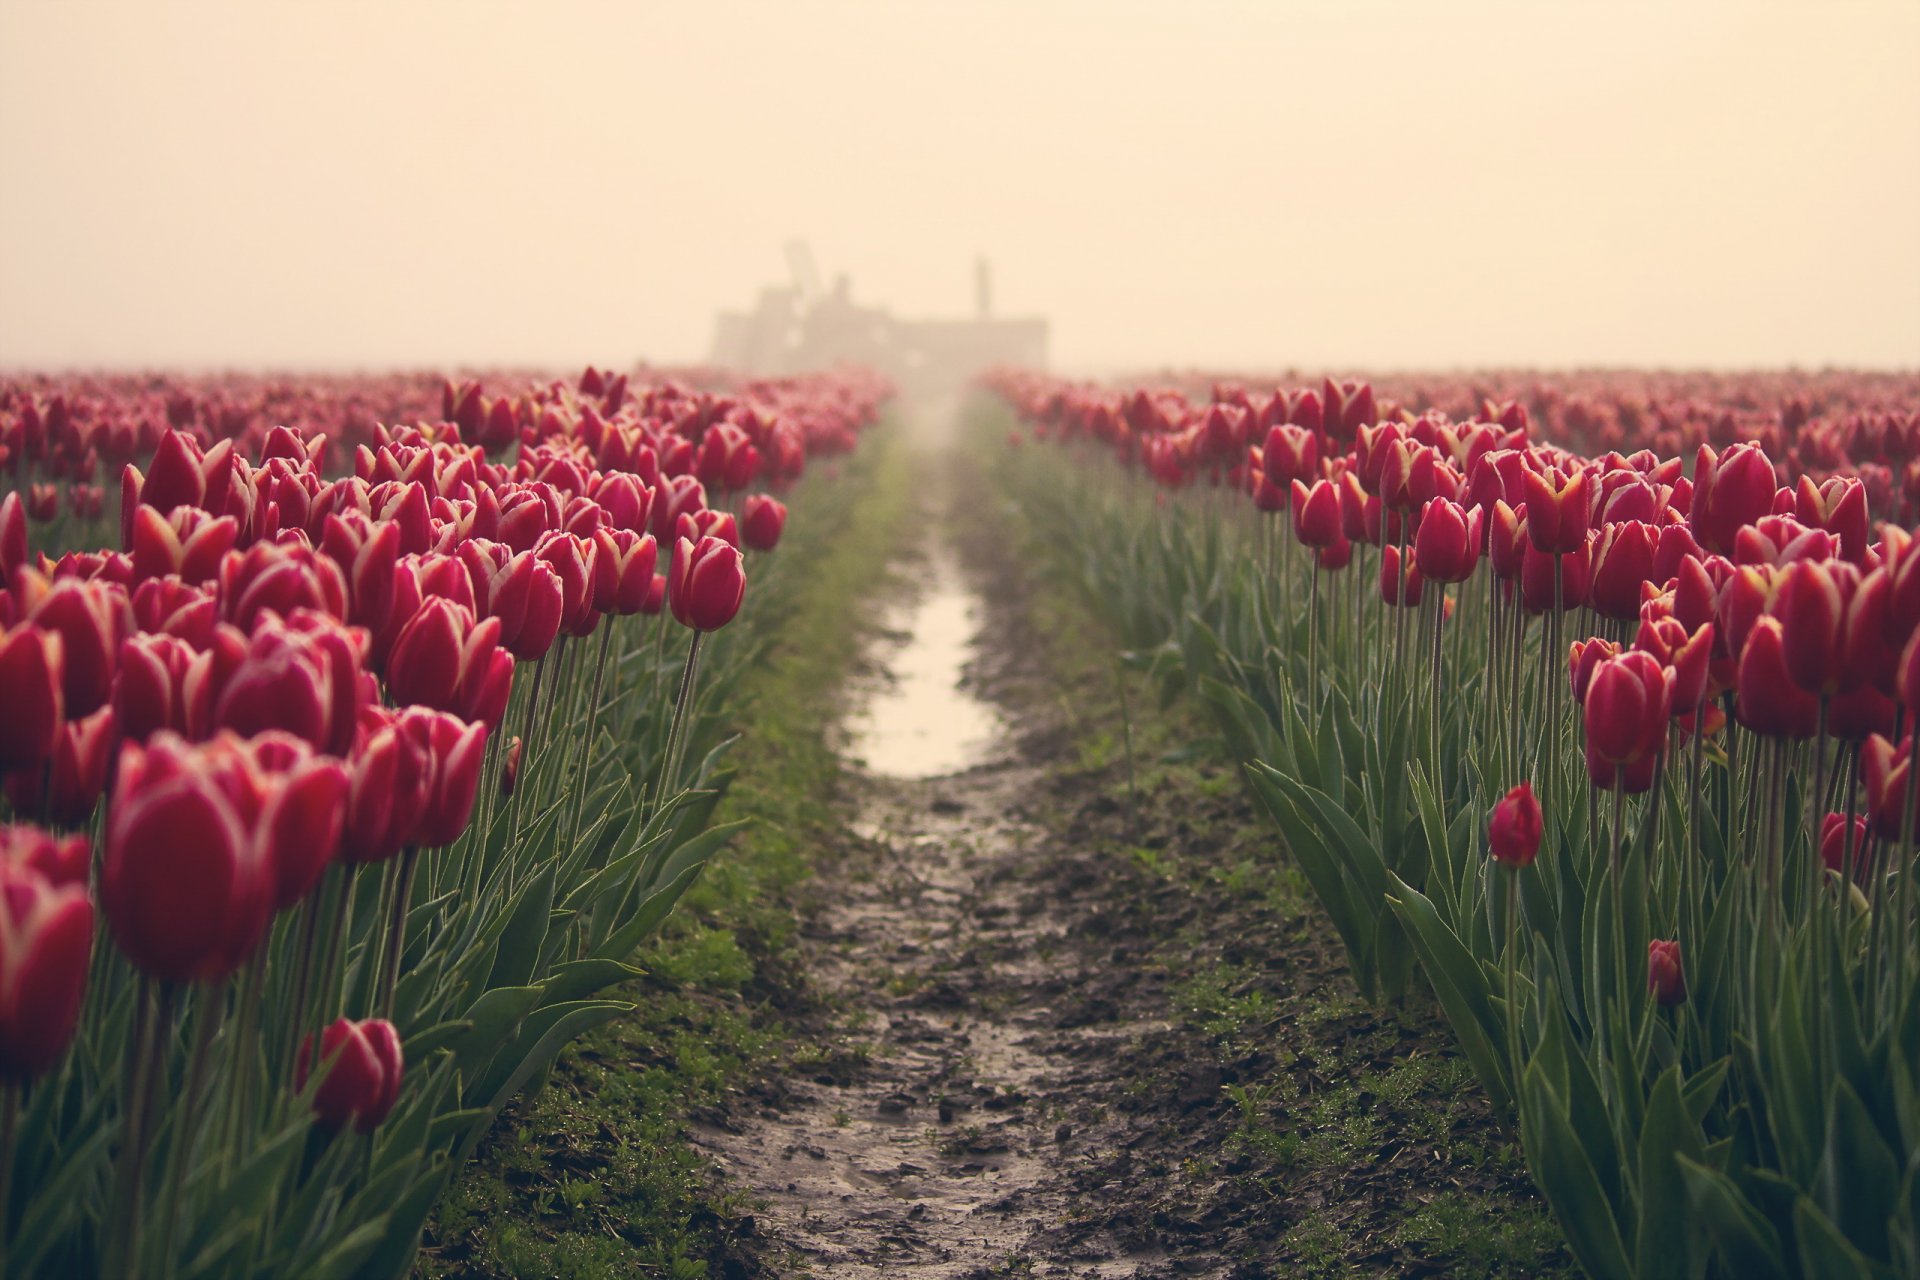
[806, 326]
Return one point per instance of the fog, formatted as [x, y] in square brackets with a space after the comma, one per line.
[1230, 184]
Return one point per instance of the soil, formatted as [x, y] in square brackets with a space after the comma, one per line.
[1068, 1036]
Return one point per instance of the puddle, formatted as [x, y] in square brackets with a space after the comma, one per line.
[920, 722]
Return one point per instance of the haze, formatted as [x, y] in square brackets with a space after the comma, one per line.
[1228, 184]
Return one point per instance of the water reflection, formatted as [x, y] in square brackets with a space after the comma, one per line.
[920, 723]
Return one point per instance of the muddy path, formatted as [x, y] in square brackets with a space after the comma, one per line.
[1072, 1032]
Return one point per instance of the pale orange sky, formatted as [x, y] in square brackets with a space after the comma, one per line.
[1343, 182]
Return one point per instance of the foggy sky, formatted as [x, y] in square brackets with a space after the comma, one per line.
[1354, 183]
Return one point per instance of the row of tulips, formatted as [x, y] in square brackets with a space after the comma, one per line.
[1612, 752]
[338, 801]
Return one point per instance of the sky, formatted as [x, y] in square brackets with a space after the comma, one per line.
[1352, 183]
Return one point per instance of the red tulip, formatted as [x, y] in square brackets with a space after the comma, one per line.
[363, 1069]
[1884, 770]
[1397, 588]
[188, 543]
[61, 860]
[1766, 698]
[656, 595]
[1290, 453]
[279, 577]
[627, 502]
[1834, 838]
[1665, 980]
[1537, 569]
[387, 790]
[1515, 829]
[172, 607]
[1622, 559]
[1447, 544]
[705, 583]
[528, 598]
[1730, 490]
[13, 536]
[454, 750]
[1687, 657]
[1316, 514]
[765, 520]
[303, 796]
[1628, 701]
[1811, 601]
[444, 660]
[623, 570]
[46, 944]
[187, 882]
[571, 559]
[150, 688]
[80, 759]
[1583, 658]
[91, 618]
[1838, 506]
[31, 680]
[1557, 509]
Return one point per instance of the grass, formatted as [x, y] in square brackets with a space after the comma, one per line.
[592, 1177]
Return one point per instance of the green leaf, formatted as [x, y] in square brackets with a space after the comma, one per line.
[1665, 1246]
[1559, 1164]
[1747, 1244]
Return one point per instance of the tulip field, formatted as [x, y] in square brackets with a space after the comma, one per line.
[354, 733]
[1584, 703]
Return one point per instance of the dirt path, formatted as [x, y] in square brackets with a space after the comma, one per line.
[1077, 1041]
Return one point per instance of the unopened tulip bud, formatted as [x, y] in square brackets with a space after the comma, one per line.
[46, 943]
[1514, 831]
[706, 583]
[510, 770]
[765, 520]
[1666, 982]
[363, 1068]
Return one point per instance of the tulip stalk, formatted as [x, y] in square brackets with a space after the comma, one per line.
[397, 931]
[676, 732]
[209, 1012]
[9, 1130]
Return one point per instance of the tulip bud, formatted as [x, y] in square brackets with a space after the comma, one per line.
[454, 750]
[186, 881]
[363, 1068]
[46, 943]
[1397, 588]
[1730, 490]
[1316, 514]
[13, 536]
[31, 681]
[386, 792]
[1622, 559]
[1583, 658]
[1835, 836]
[1557, 509]
[705, 583]
[1514, 831]
[1665, 980]
[766, 519]
[1884, 770]
[1628, 701]
[1447, 544]
[510, 768]
[80, 758]
[1291, 453]
[1766, 698]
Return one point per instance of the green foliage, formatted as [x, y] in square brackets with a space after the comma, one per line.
[1766, 1126]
